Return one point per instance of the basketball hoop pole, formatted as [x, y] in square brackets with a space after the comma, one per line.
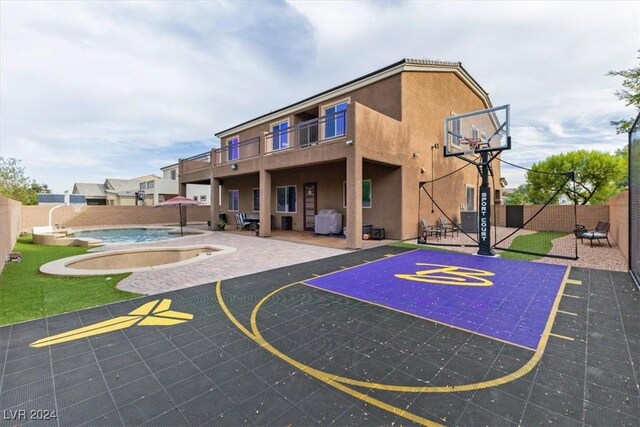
[484, 203]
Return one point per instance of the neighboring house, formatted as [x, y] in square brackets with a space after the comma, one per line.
[199, 192]
[143, 190]
[361, 148]
[94, 193]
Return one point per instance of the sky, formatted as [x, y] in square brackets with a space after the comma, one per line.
[96, 90]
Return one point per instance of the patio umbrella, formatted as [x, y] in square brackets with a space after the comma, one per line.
[178, 201]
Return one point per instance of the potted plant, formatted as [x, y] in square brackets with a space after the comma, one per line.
[221, 225]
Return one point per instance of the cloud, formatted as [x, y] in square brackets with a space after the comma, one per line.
[96, 89]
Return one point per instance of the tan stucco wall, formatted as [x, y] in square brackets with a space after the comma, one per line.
[619, 218]
[428, 99]
[10, 223]
[85, 216]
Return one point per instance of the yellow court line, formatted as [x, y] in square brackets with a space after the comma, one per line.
[567, 312]
[326, 378]
[574, 282]
[572, 296]
[526, 368]
[333, 379]
[315, 275]
[342, 267]
[366, 261]
[561, 336]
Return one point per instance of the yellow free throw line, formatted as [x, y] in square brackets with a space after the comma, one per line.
[561, 336]
[574, 282]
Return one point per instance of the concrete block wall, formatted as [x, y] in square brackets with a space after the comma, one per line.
[10, 223]
[557, 217]
[87, 216]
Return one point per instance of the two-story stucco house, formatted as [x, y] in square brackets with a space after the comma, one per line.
[361, 148]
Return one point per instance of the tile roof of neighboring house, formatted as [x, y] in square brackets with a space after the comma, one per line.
[127, 184]
[89, 189]
[406, 64]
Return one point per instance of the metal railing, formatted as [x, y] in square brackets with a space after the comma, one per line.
[194, 163]
[242, 150]
[308, 133]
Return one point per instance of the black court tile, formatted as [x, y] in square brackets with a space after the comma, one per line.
[190, 388]
[169, 418]
[126, 375]
[204, 408]
[476, 416]
[537, 416]
[86, 410]
[264, 407]
[297, 386]
[135, 390]
[142, 410]
[70, 395]
[241, 388]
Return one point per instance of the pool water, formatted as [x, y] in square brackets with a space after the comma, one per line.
[127, 235]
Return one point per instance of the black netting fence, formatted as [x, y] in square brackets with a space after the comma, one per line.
[634, 201]
[532, 216]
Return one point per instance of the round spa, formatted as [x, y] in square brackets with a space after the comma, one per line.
[132, 260]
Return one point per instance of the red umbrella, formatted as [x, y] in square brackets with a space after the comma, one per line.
[178, 201]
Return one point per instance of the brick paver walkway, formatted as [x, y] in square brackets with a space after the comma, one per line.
[252, 255]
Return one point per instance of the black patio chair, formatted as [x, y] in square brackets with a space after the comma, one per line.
[446, 226]
[601, 232]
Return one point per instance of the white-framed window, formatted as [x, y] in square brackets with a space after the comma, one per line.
[151, 184]
[456, 130]
[143, 186]
[470, 198]
[335, 124]
[286, 199]
[195, 198]
[280, 136]
[366, 193]
[173, 174]
[234, 200]
[256, 200]
[203, 198]
[233, 148]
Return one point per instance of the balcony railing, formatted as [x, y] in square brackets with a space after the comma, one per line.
[308, 133]
[194, 163]
[242, 150]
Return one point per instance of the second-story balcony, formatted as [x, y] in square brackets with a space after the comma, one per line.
[302, 135]
[195, 163]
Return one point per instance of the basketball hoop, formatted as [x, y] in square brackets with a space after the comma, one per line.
[470, 145]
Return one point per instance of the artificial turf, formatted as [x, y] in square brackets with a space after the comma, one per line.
[540, 242]
[27, 294]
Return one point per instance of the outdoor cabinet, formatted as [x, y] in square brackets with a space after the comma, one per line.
[469, 221]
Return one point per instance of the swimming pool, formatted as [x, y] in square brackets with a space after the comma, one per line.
[128, 235]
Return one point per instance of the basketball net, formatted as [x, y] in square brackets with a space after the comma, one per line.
[469, 145]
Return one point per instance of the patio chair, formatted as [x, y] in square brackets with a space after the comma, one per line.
[445, 225]
[430, 230]
[241, 221]
[601, 232]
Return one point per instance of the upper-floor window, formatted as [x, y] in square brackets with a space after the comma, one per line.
[151, 184]
[233, 148]
[335, 120]
[173, 174]
[143, 185]
[280, 135]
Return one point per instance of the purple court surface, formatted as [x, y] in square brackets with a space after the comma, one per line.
[503, 299]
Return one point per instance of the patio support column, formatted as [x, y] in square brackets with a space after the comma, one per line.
[354, 199]
[182, 190]
[214, 208]
[265, 203]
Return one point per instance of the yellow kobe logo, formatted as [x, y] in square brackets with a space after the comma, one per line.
[154, 313]
[449, 275]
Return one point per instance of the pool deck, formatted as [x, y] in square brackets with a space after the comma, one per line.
[266, 349]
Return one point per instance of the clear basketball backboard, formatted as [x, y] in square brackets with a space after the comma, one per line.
[468, 134]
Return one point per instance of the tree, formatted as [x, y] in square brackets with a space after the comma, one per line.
[15, 185]
[518, 196]
[597, 175]
[630, 94]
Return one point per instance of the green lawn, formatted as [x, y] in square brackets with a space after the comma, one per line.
[27, 294]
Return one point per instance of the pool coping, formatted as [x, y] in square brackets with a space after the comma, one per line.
[59, 267]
